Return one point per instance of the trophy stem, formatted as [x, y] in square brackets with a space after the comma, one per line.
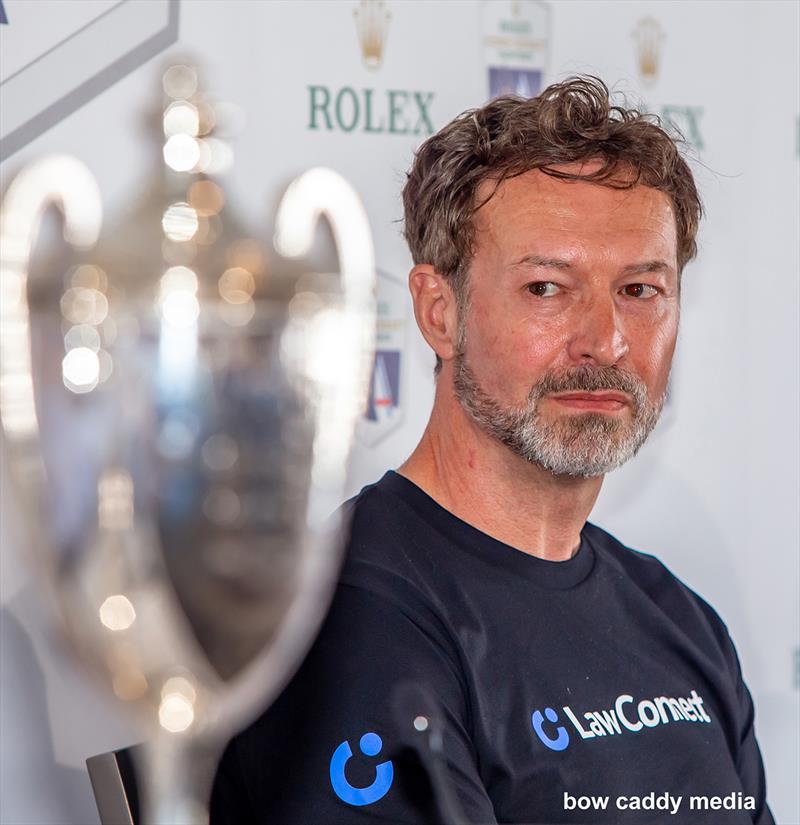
[177, 774]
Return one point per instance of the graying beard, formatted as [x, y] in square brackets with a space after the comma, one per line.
[582, 445]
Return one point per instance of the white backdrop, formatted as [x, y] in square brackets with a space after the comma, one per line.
[715, 492]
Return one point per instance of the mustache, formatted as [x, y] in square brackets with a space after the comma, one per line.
[586, 378]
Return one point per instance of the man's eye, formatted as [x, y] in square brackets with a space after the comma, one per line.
[640, 291]
[543, 289]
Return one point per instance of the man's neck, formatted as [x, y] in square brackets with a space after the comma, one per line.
[485, 484]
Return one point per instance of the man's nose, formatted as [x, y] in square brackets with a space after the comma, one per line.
[598, 337]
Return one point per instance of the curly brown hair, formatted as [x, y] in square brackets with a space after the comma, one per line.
[568, 122]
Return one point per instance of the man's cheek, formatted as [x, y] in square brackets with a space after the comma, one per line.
[658, 351]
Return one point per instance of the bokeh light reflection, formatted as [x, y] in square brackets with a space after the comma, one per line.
[181, 118]
[84, 306]
[82, 335]
[180, 222]
[206, 197]
[236, 285]
[181, 153]
[117, 613]
[80, 370]
[179, 82]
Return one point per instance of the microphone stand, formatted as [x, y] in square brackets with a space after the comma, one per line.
[419, 720]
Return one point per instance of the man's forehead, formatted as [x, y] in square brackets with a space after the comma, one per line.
[541, 195]
[549, 182]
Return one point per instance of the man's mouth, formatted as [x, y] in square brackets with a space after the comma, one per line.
[602, 401]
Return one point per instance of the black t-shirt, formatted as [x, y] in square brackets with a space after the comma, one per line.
[560, 685]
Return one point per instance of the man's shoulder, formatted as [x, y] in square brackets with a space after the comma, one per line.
[383, 526]
[371, 517]
[383, 555]
[650, 575]
[371, 498]
[636, 563]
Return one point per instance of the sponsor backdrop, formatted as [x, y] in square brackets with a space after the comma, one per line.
[357, 86]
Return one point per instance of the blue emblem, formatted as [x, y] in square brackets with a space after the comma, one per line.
[562, 737]
[370, 745]
[384, 389]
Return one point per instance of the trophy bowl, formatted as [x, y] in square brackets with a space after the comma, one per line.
[179, 438]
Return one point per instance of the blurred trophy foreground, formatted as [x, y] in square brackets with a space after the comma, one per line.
[178, 412]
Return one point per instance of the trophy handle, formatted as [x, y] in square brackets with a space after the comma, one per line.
[65, 182]
[320, 191]
[348, 333]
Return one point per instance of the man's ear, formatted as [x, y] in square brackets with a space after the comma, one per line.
[435, 309]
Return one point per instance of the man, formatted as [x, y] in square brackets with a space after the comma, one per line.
[549, 674]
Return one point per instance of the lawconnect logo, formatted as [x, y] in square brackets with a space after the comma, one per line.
[370, 744]
[624, 717]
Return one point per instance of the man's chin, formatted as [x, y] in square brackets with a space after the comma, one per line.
[588, 451]
[577, 466]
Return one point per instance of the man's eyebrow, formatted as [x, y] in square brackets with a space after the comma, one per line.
[561, 263]
[539, 260]
[647, 266]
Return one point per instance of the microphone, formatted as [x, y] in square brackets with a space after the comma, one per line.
[419, 721]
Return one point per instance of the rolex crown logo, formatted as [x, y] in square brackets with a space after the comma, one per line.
[648, 36]
[372, 26]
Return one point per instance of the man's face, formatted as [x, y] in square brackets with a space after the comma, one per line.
[567, 340]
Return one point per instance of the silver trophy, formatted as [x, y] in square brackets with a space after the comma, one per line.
[177, 425]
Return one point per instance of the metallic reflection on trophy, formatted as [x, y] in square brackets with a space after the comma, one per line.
[178, 409]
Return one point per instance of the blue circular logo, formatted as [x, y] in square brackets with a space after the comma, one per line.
[557, 743]
[370, 745]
